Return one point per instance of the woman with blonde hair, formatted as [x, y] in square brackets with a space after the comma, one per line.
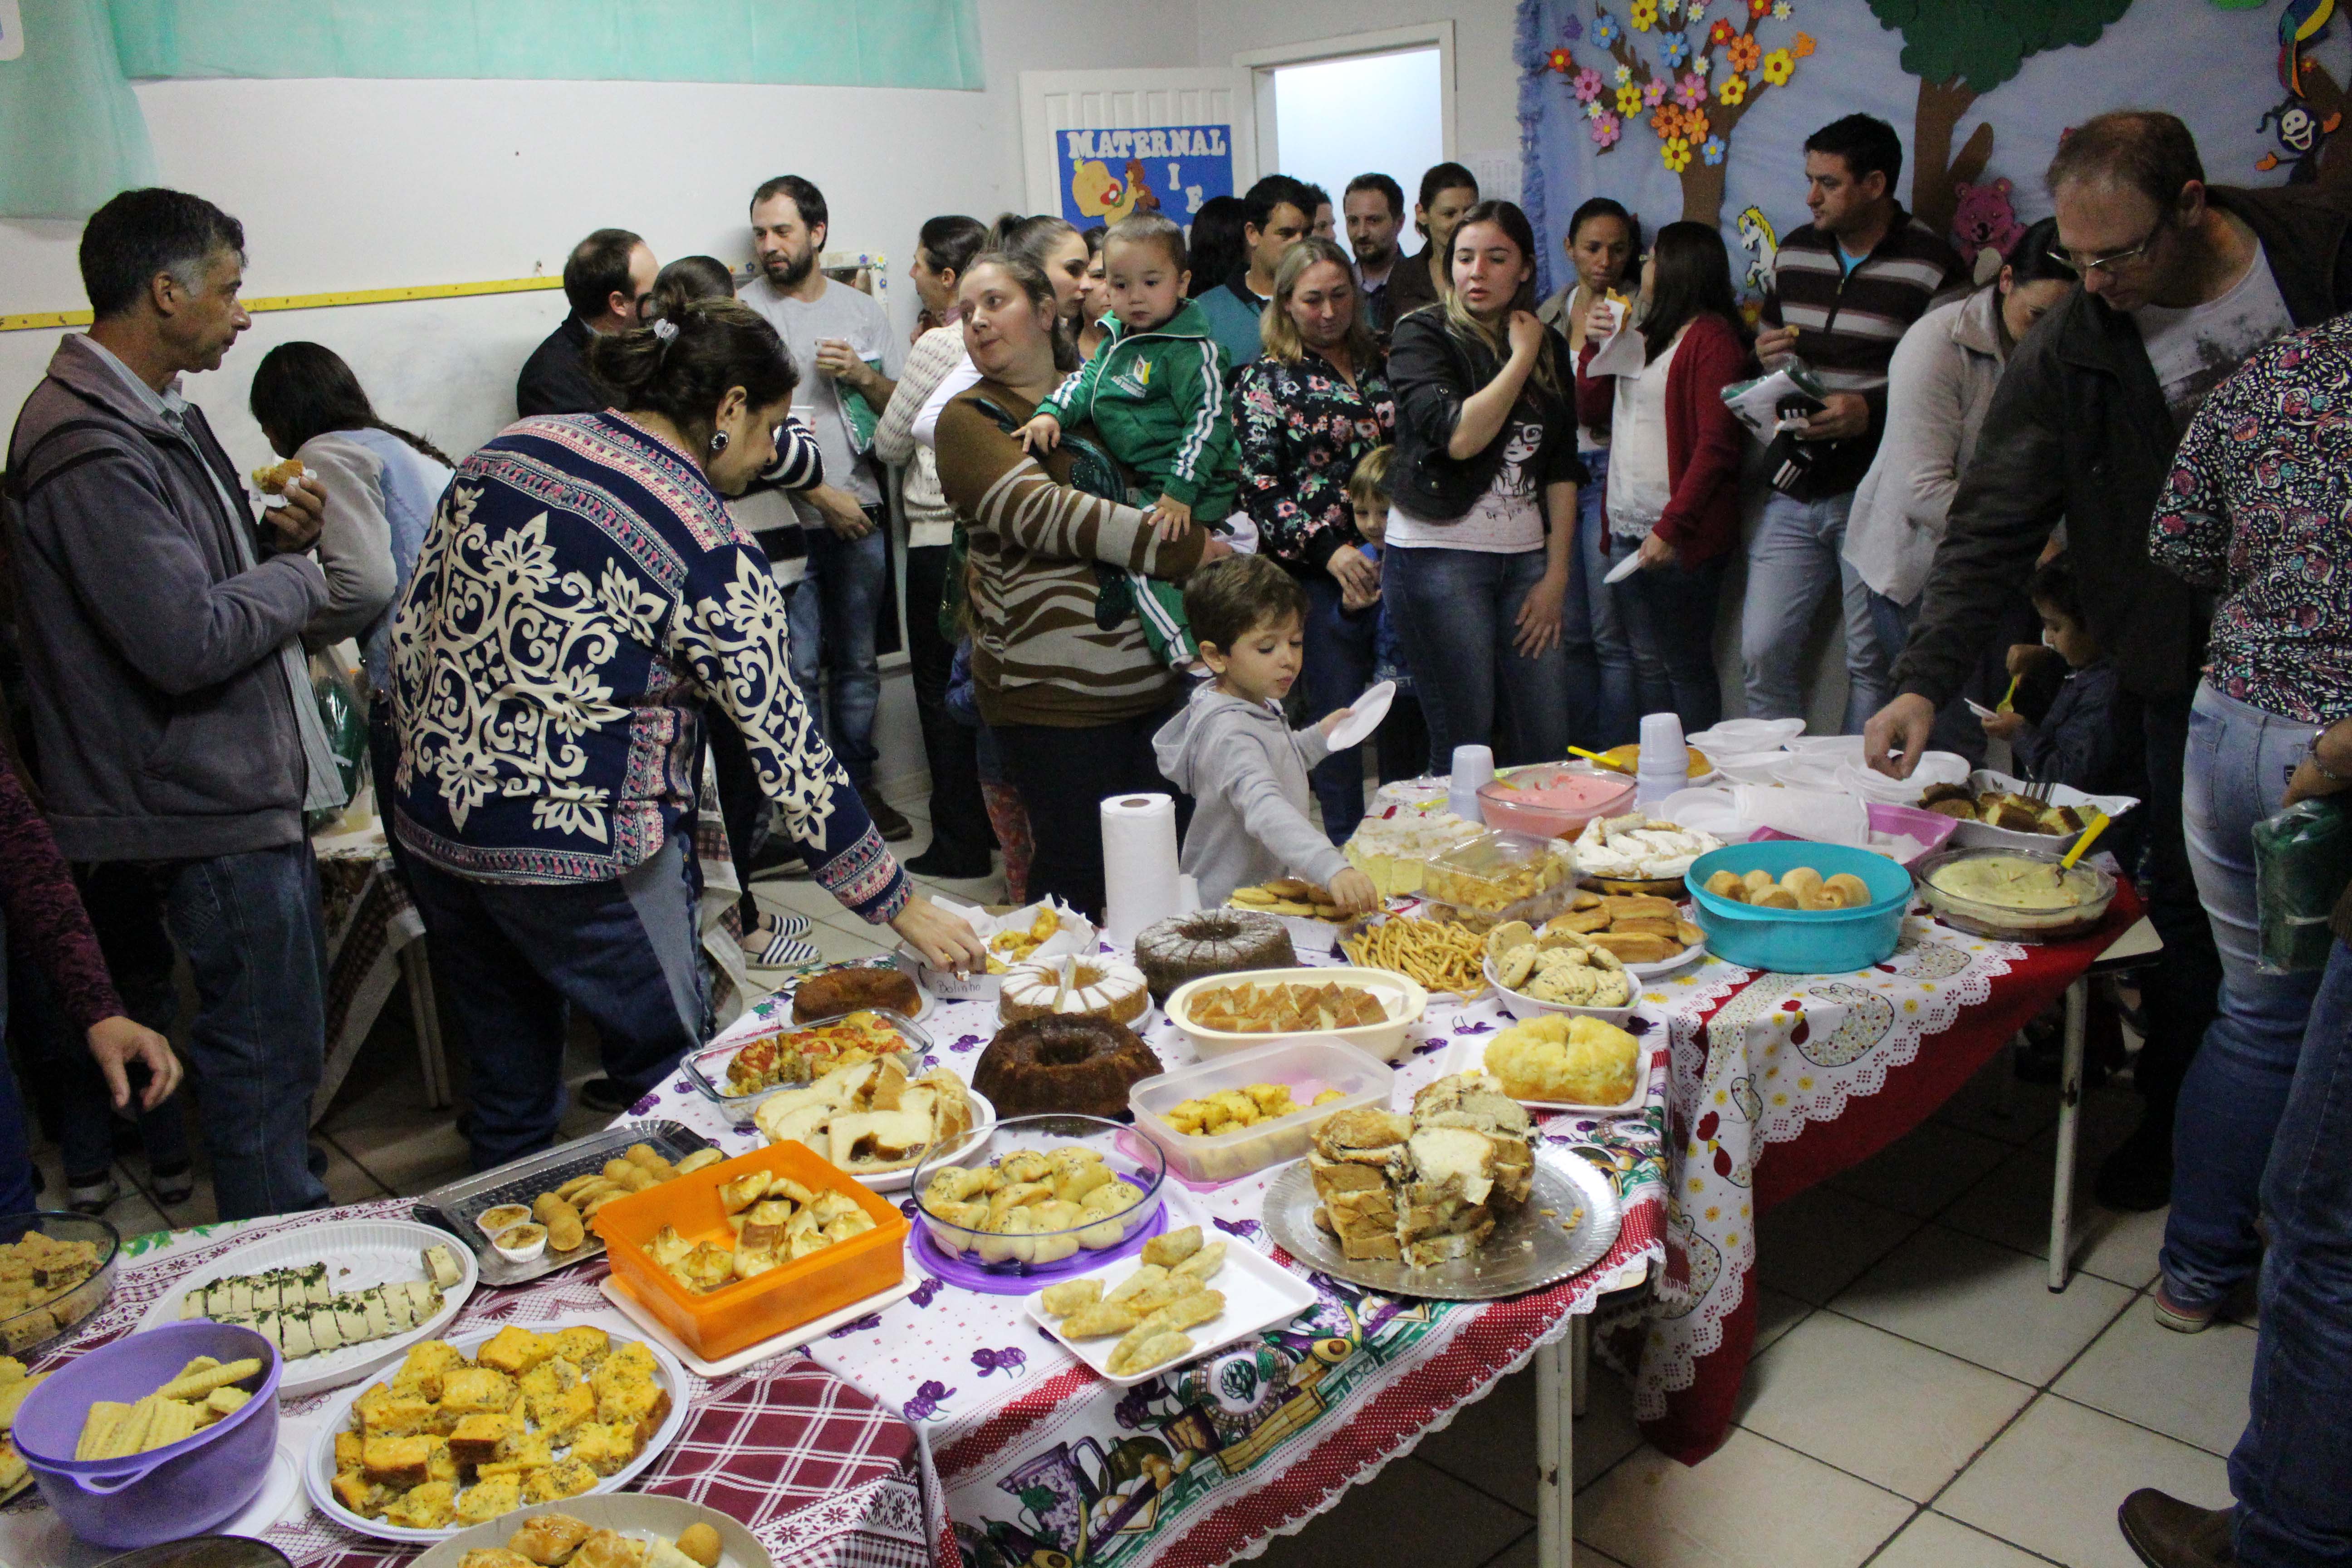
[1304, 413]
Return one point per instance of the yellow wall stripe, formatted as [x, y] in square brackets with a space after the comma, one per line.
[314, 301]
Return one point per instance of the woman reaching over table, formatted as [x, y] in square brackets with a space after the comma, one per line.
[1483, 498]
[1073, 702]
[582, 597]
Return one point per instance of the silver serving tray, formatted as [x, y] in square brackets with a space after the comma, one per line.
[1530, 1249]
[453, 1207]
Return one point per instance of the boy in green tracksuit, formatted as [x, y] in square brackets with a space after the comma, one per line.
[1155, 393]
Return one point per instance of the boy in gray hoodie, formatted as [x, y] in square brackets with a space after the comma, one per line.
[1232, 751]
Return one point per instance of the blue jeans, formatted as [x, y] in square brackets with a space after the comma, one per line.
[1669, 613]
[850, 578]
[1792, 563]
[249, 926]
[2238, 760]
[1956, 729]
[513, 960]
[2292, 1471]
[1456, 614]
[1600, 657]
[1339, 666]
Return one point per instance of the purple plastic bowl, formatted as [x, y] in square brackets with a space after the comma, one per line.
[182, 1489]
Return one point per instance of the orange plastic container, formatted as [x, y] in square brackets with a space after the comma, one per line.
[719, 1322]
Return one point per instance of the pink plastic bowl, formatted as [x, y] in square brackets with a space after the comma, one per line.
[1552, 802]
[1931, 828]
[182, 1489]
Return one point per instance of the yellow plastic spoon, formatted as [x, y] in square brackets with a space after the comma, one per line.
[1597, 760]
[2097, 826]
[2009, 696]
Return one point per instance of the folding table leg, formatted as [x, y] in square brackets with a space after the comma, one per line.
[2070, 1101]
[1579, 1370]
[1555, 1457]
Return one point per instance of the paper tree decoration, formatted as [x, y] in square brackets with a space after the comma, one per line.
[1687, 71]
[1959, 49]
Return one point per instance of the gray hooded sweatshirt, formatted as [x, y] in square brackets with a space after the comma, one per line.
[1248, 770]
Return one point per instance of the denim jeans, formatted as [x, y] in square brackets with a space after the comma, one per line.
[1956, 729]
[1457, 611]
[1792, 562]
[1600, 657]
[2238, 761]
[1669, 614]
[1337, 667]
[514, 960]
[2291, 1471]
[70, 1090]
[959, 829]
[851, 577]
[249, 926]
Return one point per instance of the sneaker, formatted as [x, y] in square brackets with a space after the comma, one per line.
[92, 1194]
[2180, 1320]
[605, 1095]
[888, 820]
[779, 856]
[177, 1186]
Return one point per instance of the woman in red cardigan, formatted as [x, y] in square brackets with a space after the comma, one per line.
[1674, 466]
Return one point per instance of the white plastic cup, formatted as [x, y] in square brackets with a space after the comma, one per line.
[1473, 766]
[1665, 767]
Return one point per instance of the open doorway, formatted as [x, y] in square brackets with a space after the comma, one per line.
[1333, 108]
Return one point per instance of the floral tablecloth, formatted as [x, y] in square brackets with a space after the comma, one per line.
[818, 1471]
[1203, 1465]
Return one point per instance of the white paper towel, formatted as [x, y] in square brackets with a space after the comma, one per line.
[1141, 881]
[1822, 815]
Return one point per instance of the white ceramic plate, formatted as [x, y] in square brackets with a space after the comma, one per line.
[358, 1253]
[1521, 1006]
[973, 1142]
[637, 1516]
[1368, 712]
[319, 1464]
[1259, 1293]
[1468, 1053]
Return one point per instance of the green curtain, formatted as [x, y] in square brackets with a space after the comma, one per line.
[71, 131]
[840, 42]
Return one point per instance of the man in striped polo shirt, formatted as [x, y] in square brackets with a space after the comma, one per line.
[1844, 289]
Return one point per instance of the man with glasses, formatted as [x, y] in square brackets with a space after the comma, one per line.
[606, 279]
[2181, 282]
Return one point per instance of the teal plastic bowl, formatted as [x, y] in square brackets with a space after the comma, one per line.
[1800, 942]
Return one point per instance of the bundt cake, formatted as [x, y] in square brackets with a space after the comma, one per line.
[1063, 1063]
[839, 991]
[1209, 942]
[1098, 988]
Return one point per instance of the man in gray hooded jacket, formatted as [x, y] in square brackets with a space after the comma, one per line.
[177, 741]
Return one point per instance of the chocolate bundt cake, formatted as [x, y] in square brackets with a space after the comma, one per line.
[1209, 942]
[1062, 1063]
[839, 991]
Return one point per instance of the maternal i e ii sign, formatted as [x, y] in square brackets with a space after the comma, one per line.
[1167, 169]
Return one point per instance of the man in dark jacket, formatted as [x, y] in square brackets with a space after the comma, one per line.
[179, 743]
[2180, 283]
[606, 278]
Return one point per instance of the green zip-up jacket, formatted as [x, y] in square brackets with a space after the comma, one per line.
[1157, 400]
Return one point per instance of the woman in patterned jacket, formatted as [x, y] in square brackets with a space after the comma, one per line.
[582, 596]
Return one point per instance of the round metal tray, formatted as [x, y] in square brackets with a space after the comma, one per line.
[1530, 1249]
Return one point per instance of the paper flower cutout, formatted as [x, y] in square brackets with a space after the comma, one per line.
[1702, 66]
[1760, 9]
[1653, 92]
[1595, 109]
[1744, 53]
[1777, 67]
[1695, 124]
[1572, 27]
[1560, 61]
[1691, 91]
[1696, 12]
[1676, 154]
[1783, 10]
[1675, 46]
[1588, 85]
[1721, 33]
[1803, 46]
[1629, 100]
[1642, 15]
[1605, 130]
[1624, 75]
[1605, 31]
[1711, 150]
[1667, 122]
[1734, 90]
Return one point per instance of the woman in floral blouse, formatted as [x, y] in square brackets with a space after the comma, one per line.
[582, 597]
[1317, 401]
[2255, 510]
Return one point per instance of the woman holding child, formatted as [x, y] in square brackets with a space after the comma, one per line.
[1305, 413]
[1483, 498]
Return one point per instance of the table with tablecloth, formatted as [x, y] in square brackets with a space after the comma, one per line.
[1202, 1465]
[823, 1475]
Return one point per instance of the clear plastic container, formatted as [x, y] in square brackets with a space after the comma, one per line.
[1552, 800]
[1067, 1251]
[1496, 871]
[707, 1069]
[1308, 1067]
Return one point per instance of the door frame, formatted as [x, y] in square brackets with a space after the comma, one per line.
[1260, 64]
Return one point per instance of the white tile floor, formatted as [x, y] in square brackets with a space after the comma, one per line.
[1918, 1398]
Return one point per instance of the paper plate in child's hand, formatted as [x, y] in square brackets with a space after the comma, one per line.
[1623, 568]
[1365, 716]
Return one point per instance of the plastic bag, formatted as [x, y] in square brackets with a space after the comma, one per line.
[338, 706]
[2302, 862]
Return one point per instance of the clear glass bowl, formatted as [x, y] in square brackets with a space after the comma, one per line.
[32, 1329]
[2083, 912]
[1130, 1157]
[707, 1069]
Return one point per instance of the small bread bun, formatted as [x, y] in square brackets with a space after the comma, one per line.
[1819, 899]
[1728, 885]
[1800, 880]
[1758, 881]
[1851, 888]
[1775, 898]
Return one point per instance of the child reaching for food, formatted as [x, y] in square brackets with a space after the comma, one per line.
[2075, 744]
[1232, 750]
[1155, 393]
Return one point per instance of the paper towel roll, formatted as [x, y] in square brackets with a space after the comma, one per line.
[1139, 874]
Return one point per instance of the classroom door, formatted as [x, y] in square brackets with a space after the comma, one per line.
[1098, 145]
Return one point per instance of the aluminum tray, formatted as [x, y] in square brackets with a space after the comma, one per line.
[1527, 1250]
[453, 1207]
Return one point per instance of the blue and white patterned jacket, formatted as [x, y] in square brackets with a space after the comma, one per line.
[581, 596]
